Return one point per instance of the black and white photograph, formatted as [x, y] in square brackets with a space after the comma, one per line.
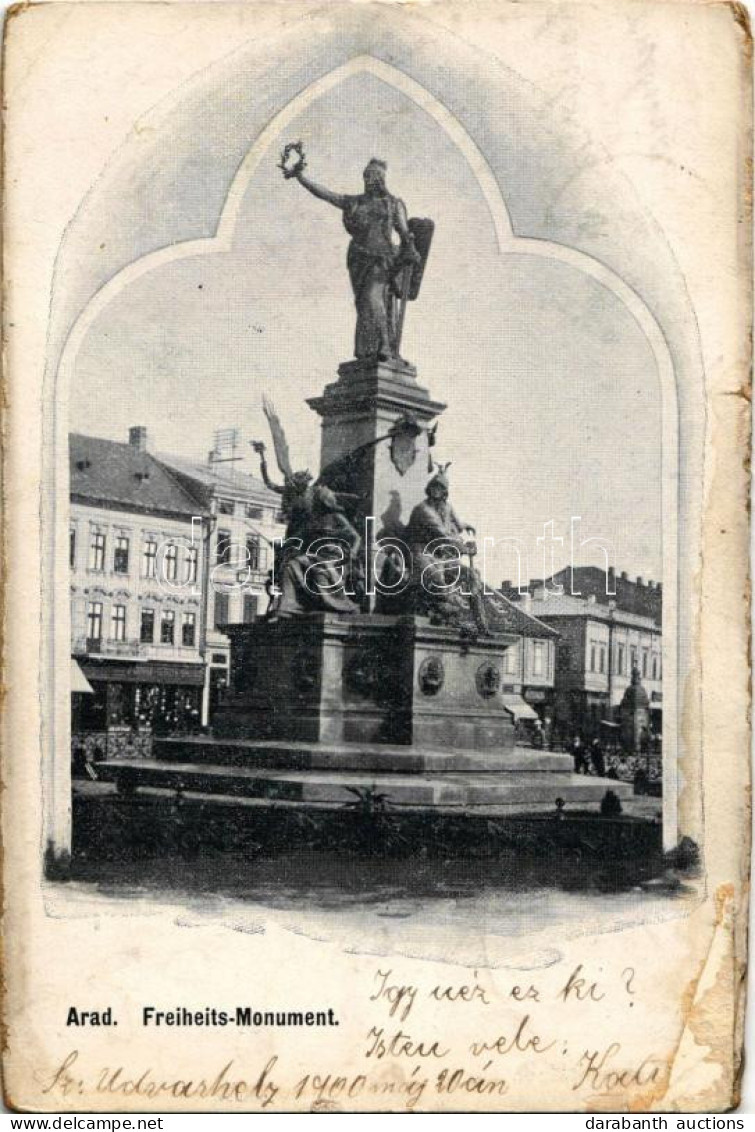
[376, 469]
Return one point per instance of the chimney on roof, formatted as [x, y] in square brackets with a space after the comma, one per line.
[640, 582]
[137, 438]
[506, 586]
[624, 576]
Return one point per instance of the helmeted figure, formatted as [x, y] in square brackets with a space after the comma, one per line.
[378, 268]
[442, 586]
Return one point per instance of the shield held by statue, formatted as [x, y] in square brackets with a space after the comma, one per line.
[422, 229]
[408, 280]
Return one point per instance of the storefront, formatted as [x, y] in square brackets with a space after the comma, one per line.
[527, 722]
[158, 698]
[577, 712]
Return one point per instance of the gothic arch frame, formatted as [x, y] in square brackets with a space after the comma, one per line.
[56, 646]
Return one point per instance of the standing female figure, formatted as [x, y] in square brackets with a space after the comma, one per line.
[377, 265]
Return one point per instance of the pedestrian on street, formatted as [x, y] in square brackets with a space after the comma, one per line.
[597, 759]
[581, 765]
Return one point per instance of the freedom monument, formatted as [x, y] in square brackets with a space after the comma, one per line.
[377, 672]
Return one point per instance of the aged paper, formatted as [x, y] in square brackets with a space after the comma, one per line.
[419, 782]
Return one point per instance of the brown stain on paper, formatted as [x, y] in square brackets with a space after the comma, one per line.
[713, 1016]
[711, 1022]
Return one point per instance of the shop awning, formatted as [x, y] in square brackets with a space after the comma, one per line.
[79, 682]
[518, 707]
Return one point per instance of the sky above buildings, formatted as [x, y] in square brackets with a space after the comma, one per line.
[552, 392]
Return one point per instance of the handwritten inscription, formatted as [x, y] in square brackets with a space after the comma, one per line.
[431, 1042]
[119, 1081]
[602, 1077]
[523, 1040]
[399, 996]
[380, 1044]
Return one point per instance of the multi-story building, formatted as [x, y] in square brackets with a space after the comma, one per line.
[245, 521]
[530, 664]
[600, 645]
[136, 592]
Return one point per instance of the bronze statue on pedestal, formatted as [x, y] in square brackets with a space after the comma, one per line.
[384, 275]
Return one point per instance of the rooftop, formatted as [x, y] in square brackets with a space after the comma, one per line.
[567, 605]
[235, 483]
[512, 618]
[639, 596]
[107, 472]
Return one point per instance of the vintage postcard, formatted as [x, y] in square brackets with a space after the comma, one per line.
[376, 591]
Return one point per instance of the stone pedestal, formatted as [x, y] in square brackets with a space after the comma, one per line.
[366, 679]
[369, 404]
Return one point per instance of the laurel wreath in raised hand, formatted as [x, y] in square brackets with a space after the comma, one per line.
[299, 165]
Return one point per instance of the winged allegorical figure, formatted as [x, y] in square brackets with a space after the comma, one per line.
[318, 566]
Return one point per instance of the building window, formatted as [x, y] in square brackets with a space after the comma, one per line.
[97, 551]
[120, 555]
[251, 602]
[538, 658]
[94, 621]
[170, 563]
[254, 553]
[634, 659]
[167, 627]
[223, 548]
[188, 629]
[221, 609]
[655, 667]
[254, 511]
[644, 662]
[602, 658]
[510, 660]
[620, 660]
[147, 631]
[593, 651]
[72, 548]
[191, 564]
[149, 558]
[225, 506]
[118, 623]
